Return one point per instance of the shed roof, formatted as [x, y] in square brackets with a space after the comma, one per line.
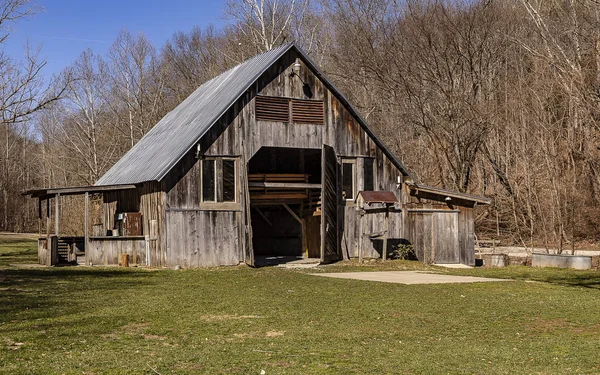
[448, 193]
[378, 196]
[75, 190]
[182, 128]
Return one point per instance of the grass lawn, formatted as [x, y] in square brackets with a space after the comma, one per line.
[238, 320]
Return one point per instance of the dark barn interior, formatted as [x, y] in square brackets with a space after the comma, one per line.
[284, 186]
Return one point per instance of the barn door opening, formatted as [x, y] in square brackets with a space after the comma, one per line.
[284, 186]
[330, 196]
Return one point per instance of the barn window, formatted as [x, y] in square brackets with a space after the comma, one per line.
[368, 175]
[219, 180]
[209, 179]
[229, 180]
[282, 109]
[348, 179]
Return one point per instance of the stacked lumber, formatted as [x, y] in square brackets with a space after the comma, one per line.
[278, 186]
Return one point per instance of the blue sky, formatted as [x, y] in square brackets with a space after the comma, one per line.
[65, 28]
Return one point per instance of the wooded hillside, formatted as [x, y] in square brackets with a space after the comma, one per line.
[498, 98]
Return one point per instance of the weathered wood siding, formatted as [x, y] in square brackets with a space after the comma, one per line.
[203, 238]
[341, 131]
[149, 199]
[466, 233]
[106, 251]
[44, 251]
[440, 231]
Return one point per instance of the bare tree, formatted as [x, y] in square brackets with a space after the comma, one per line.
[82, 117]
[23, 92]
[137, 84]
[267, 23]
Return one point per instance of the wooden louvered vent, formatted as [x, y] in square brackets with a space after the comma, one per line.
[307, 111]
[273, 108]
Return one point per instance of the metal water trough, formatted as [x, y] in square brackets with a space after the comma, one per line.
[578, 262]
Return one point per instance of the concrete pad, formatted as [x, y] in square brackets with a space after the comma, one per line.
[407, 277]
[453, 265]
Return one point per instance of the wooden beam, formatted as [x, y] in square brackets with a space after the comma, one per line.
[292, 212]
[263, 216]
[281, 196]
[39, 217]
[56, 214]
[361, 224]
[275, 202]
[75, 190]
[303, 228]
[385, 234]
[48, 219]
[284, 185]
[86, 235]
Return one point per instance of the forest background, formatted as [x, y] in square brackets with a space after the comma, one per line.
[495, 97]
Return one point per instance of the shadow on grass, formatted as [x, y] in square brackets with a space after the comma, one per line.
[21, 254]
[20, 241]
[556, 276]
[586, 280]
[40, 292]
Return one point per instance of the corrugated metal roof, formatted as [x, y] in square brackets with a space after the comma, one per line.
[181, 129]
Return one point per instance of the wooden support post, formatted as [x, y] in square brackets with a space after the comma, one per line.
[304, 240]
[104, 223]
[302, 226]
[247, 240]
[39, 217]
[263, 216]
[56, 214]
[385, 232]
[48, 219]
[292, 212]
[86, 235]
[361, 235]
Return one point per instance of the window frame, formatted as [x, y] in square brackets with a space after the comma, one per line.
[351, 161]
[373, 163]
[219, 204]
[235, 179]
[215, 179]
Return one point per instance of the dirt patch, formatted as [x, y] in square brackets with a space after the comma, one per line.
[549, 325]
[275, 333]
[134, 328]
[552, 325]
[113, 336]
[154, 337]
[12, 345]
[218, 318]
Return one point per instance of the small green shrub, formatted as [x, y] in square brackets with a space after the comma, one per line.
[404, 251]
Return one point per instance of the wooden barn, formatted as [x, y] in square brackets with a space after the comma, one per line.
[267, 160]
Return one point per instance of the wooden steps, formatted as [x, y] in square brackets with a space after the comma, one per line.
[62, 251]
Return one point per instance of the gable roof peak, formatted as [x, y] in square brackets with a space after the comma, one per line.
[182, 128]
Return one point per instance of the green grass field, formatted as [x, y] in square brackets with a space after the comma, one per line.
[237, 320]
